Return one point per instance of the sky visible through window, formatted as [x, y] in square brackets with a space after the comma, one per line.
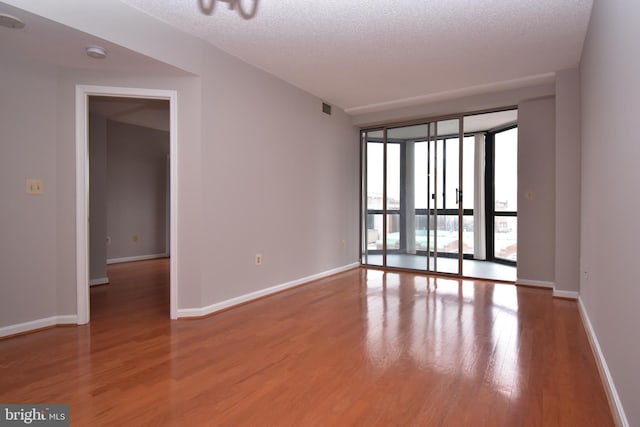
[506, 175]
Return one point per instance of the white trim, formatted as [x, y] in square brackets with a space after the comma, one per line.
[605, 374]
[82, 206]
[99, 281]
[565, 294]
[173, 207]
[136, 258]
[203, 311]
[536, 283]
[19, 328]
[82, 188]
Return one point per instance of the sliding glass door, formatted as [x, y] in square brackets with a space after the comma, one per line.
[441, 194]
[446, 196]
[412, 197]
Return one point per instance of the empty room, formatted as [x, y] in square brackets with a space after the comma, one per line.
[260, 212]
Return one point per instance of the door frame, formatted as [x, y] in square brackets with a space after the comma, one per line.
[83, 92]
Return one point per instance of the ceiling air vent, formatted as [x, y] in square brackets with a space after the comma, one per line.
[326, 108]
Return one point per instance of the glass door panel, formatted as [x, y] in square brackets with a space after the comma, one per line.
[372, 200]
[422, 199]
[446, 192]
[412, 210]
[406, 178]
[468, 199]
[393, 234]
[506, 195]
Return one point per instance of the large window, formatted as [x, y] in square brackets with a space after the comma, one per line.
[505, 206]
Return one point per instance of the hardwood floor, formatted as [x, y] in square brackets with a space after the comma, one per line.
[363, 347]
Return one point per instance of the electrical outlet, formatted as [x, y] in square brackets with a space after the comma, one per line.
[136, 237]
[258, 259]
[343, 243]
[35, 186]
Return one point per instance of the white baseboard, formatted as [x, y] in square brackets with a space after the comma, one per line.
[136, 258]
[99, 281]
[605, 374]
[19, 328]
[203, 311]
[565, 294]
[536, 283]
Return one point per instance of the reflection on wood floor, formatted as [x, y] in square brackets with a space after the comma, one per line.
[364, 347]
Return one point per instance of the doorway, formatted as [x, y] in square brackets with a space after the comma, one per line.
[83, 94]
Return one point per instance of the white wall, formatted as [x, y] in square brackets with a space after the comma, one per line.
[28, 223]
[610, 232]
[136, 195]
[536, 191]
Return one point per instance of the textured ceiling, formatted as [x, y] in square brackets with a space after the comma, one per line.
[370, 55]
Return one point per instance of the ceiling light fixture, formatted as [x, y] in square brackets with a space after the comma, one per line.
[11, 21]
[247, 9]
[96, 52]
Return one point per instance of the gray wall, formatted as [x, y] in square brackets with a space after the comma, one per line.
[457, 104]
[567, 233]
[136, 195]
[260, 170]
[536, 177]
[28, 235]
[610, 231]
[97, 198]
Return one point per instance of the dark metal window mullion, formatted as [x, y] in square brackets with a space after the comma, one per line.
[459, 194]
[384, 198]
[489, 185]
[403, 195]
[363, 204]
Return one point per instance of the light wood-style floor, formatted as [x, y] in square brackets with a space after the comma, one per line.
[363, 347]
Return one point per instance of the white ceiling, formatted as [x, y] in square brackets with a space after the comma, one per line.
[371, 55]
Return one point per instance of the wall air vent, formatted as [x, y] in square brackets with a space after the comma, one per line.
[326, 108]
